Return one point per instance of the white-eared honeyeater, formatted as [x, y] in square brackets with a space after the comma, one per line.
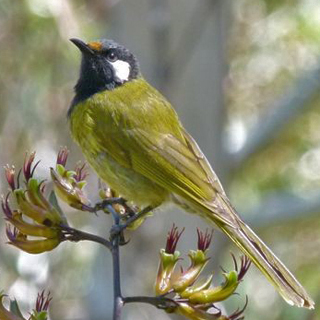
[132, 137]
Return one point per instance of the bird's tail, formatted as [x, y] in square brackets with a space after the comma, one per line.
[253, 247]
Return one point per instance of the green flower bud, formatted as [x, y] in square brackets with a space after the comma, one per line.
[194, 313]
[20, 241]
[45, 214]
[198, 262]
[32, 229]
[68, 188]
[168, 261]
[203, 285]
[218, 293]
[166, 268]
[42, 305]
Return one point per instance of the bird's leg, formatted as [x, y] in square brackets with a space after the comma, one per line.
[129, 212]
[116, 229]
[103, 205]
[109, 201]
[109, 205]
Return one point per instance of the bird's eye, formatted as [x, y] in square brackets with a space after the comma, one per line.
[112, 56]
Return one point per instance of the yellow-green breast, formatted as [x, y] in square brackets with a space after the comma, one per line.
[101, 126]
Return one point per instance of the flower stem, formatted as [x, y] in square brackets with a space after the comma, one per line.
[76, 235]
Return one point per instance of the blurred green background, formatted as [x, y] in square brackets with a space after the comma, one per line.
[244, 75]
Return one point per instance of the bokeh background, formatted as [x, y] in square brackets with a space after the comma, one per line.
[244, 75]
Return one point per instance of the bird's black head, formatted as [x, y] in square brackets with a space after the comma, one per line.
[105, 65]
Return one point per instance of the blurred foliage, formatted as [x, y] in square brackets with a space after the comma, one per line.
[270, 44]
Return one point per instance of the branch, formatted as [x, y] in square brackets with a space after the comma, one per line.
[76, 235]
[118, 301]
[118, 228]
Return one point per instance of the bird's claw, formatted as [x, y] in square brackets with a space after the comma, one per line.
[117, 231]
[122, 240]
[109, 201]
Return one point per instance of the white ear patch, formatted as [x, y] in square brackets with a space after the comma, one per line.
[121, 70]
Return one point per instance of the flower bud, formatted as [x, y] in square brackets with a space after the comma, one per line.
[28, 171]
[69, 184]
[218, 293]
[32, 203]
[200, 312]
[194, 313]
[63, 156]
[15, 218]
[198, 262]
[44, 213]
[227, 288]
[204, 240]
[166, 268]
[168, 260]
[6, 314]
[9, 173]
[39, 313]
[245, 264]
[42, 305]
[192, 298]
[20, 241]
[202, 285]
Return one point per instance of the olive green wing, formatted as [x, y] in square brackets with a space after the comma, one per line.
[203, 162]
[179, 166]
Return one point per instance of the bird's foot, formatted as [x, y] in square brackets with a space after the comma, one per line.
[119, 228]
[103, 205]
[117, 231]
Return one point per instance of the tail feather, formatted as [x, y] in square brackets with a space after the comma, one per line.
[252, 246]
[219, 210]
[222, 214]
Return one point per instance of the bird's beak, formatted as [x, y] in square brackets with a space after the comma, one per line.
[83, 47]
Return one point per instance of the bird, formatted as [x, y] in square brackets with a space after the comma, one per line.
[132, 137]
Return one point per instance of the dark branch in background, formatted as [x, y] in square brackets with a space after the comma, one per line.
[117, 296]
[289, 106]
[278, 208]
